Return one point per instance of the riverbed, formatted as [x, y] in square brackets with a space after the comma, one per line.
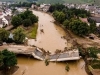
[50, 40]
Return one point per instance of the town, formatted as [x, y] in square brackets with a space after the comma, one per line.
[67, 34]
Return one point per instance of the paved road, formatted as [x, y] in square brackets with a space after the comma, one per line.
[71, 55]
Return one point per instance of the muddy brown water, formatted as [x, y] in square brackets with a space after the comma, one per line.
[49, 40]
[32, 66]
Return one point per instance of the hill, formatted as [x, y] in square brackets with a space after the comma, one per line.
[58, 1]
[63, 1]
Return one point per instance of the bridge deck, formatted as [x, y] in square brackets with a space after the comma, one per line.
[38, 54]
[71, 55]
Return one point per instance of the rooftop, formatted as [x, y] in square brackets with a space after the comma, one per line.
[97, 19]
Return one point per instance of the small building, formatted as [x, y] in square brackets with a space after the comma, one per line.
[8, 18]
[1, 24]
[44, 7]
[96, 19]
[84, 20]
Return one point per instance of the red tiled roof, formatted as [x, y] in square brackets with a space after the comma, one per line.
[84, 20]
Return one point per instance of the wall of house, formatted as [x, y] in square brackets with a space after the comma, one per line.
[97, 24]
[1, 25]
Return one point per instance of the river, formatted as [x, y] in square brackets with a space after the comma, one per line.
[49, 40]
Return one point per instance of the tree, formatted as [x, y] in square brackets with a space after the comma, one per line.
[19, 35]
[27, 13]
[79, 28]
[1, 59]
[16, 21]
[57, 7]
[59, 16]
[93, 27]
[93, 51]
[4, 35]
[66, 24]
[9, 59]
[33, 18]
[27, 22]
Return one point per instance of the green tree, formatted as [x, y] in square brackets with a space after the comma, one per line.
[27, 13]
[9, 59]
[16, 21]
[27, 22]
[33, 18]
[79, 28]
[19, 35]
[4, 35]
[93, 27]
[1, 59]
[59, 16]
[66, 24]
[93, 51]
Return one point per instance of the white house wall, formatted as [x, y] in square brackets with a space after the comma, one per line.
[1, 25]
[97, 24]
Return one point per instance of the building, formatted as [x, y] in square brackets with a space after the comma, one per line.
[96, 19]
[44, 7]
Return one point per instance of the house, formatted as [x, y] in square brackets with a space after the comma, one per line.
[1, 24]
[84, 20]
[96, 19]
[34, 6]
[91, 8]
[8, 18]
[44, 7]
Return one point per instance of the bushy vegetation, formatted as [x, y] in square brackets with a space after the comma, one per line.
[7, 59]
[46, 62]
[91, 53]
[19, 35]
[26, 18]
[69, 18]
[21, 4]
[67, 67]
[4, 35]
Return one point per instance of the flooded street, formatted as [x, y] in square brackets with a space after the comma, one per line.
[50, 39]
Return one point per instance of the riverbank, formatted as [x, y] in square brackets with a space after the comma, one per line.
[11, 71]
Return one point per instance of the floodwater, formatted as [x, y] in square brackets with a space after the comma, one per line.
[50, 40]
[32, 66]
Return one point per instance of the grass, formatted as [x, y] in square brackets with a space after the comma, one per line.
[32, 31]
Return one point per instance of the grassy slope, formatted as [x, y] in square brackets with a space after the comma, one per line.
[78, 1]
[15, 0]
[56, 1]
[32, 31]
[97, 2]
[61, 1]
